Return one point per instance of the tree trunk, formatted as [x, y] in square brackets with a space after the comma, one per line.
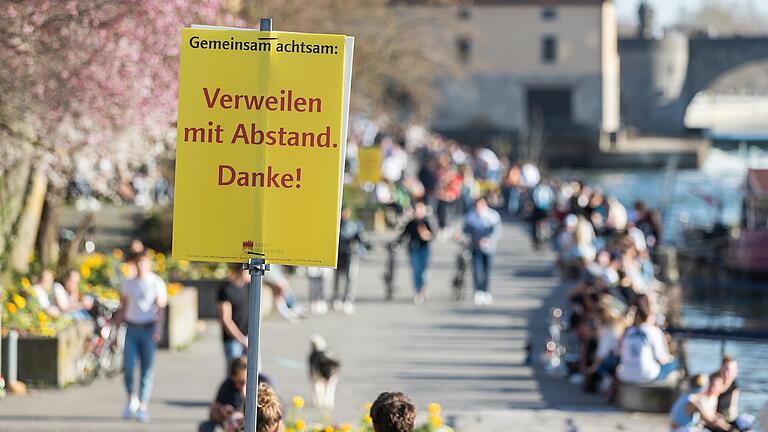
[48, 233]
[73, 247]
[23, 245]
[14, 186]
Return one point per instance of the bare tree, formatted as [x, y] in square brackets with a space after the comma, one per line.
[395, 57]
[718, 18]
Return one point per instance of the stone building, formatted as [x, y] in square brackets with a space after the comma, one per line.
[532, 73]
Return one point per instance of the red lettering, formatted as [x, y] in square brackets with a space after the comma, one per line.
[210, 102]
[272, 178]
[271, 103]
[226, 99]
[287, 180]
[221, 175]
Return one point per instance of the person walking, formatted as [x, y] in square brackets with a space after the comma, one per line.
[142, 299]
[352, 235]
[482, 226]
[419, 234]
[232, 308]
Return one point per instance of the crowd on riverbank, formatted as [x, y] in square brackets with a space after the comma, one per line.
[616, 307]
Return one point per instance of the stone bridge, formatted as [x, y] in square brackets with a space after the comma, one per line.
[660, 77]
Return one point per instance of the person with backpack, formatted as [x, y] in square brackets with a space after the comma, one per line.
[645, 357]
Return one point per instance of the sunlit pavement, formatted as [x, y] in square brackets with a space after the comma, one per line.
[467, 358]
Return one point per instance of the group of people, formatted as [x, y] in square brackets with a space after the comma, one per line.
[143, 297]
[426, 178]
[391, 412]
[61, 297]
[615, 305]
[711, 403]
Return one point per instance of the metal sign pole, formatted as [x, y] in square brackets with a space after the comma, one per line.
[256, 268]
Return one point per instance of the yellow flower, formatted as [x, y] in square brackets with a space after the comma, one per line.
[298, 402]
[11, 308]
[435, 420]
[85, 271]
[290, 430]
[346, 427]
[47, 330]
[125, 269]
[367, 419]
[160, 256]
[117, 253]
[367, 407]
[20, 301]
[42, 317]
[328, 429]
[25, 283]
[434, 408]
[300, 424]
[174, 288]
[183, 264]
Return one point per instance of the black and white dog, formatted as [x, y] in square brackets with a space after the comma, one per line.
[324, 369]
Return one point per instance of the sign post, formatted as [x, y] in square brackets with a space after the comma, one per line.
[256, 268]
[260, 155]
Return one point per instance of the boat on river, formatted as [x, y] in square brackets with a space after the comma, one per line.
[748, 247]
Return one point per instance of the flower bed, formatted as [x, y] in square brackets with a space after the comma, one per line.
[295, 422]
[21, 312]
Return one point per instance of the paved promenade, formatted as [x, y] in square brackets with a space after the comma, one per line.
[467, 358]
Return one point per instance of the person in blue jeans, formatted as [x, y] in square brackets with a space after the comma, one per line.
[482, 226]
[142, 299]
[419, 233]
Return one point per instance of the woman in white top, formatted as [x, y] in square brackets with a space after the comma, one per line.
[142, 299]
[644, 353]
[67, 296]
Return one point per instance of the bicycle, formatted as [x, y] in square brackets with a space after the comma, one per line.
[103, 354]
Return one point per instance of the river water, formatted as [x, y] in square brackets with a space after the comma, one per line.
[701, 197]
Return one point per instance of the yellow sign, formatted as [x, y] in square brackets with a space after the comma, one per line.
[260, 146]
[369, 164]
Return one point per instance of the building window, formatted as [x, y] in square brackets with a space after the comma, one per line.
[549, 49]
[464, 13]
[549, 14]
[463, 49]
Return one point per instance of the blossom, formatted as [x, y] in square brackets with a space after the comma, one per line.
[11, 308]
[20, 301]
[298, 402]
[328, 429]
[346, 427]
[367, 406]
[117, 253]
[42, 317]
[25, 283]
[300, 424]
[367, 419]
